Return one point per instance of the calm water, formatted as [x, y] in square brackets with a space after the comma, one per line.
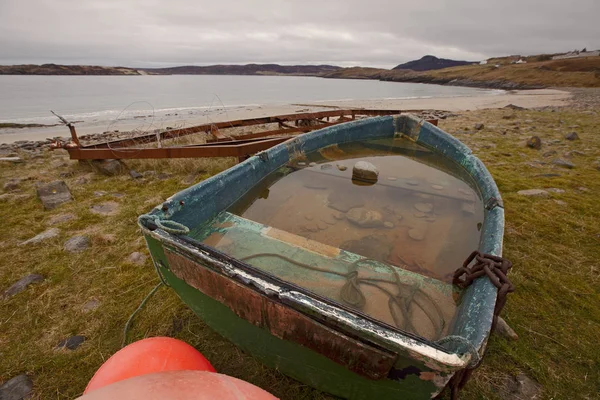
[420, 219]
[28, 99]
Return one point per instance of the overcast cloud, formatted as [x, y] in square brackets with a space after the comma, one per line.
[146, 33]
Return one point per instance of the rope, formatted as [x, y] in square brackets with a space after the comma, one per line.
[352, 294]
[142, 304]
[169, 226]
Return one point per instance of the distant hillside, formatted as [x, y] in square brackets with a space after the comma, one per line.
[54, 69]
[429, 63]
[579, 72]
[249, 69]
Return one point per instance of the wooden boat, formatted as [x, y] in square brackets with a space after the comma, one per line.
[305, 306]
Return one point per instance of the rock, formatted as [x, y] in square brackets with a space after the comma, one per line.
[18, 388]
[424, 207]
[338, 215]
[533, 192]
[479, 126]
[549, 153]
[47, 234]
[504, 330]
[560, 202]
[107, 238]
[109, 167]
[521, 387]
[555, 190]
[419, 214]
[312, 164]
[389, 225]
[309, 217]
[12, 184]
[514, 107]
[137, 258]
[11, 159]
[149, 173]
[189, 180]
[416, 234]
[534, 142]
[341, 167]
[340, 202]
[22, 284]
[325, 167]
[572, 136]
[583, 189]
[563, 163]
[76, 244]
[100, 193]
[322, 225]
[135, 175]
[90, 305]
[60, 218]
[437, 187]
[365, 218]
[54, 194]
[570, 154]
[106, 208]
[365, 171]
[71, 343]
[162, 176]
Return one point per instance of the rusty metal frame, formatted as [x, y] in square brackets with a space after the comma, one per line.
[220, 145]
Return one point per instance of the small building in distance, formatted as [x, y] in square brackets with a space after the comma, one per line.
[577, 54]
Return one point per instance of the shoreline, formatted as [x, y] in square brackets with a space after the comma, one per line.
[523, 98]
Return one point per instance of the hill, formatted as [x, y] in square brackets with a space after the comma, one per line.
[428, 63]
[577, 72]
[249, 69]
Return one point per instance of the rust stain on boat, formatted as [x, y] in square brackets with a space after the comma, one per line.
[283, 322]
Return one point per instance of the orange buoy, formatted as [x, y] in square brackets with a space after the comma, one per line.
[147, 356]
[180, 385]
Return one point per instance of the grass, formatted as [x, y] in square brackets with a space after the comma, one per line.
[555, 249]
[559, 73]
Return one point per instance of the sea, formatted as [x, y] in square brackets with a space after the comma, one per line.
[101, 101]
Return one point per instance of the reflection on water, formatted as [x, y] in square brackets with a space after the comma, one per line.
[419, 219]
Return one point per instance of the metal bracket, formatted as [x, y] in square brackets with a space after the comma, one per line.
[493, 202]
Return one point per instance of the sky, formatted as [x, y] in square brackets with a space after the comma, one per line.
[156, 33]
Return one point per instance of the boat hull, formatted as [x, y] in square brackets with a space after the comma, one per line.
[319, 342]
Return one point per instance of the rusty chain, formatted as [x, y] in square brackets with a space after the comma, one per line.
[496, 269]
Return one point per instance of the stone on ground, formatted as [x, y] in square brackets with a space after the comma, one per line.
[109, 167]
[76, 244]
[479, 126]
[90, 305]
[534, 142]
[61, 218]
[504, 330]
[12, 184]
[533, 192]
[137, 258]
[365, 171]
[572, 136]
[521, 387]
[21, 285]
[18, 388]
[106, 208]
[563, 163]
[71, 343]
[54, 194]
[47, 234]
[135, 175]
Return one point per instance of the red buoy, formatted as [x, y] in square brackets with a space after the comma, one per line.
[147, 356]
[180, 385]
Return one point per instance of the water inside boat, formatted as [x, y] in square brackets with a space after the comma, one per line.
[386, 249]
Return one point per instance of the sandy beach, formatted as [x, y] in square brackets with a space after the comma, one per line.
[523, 98]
